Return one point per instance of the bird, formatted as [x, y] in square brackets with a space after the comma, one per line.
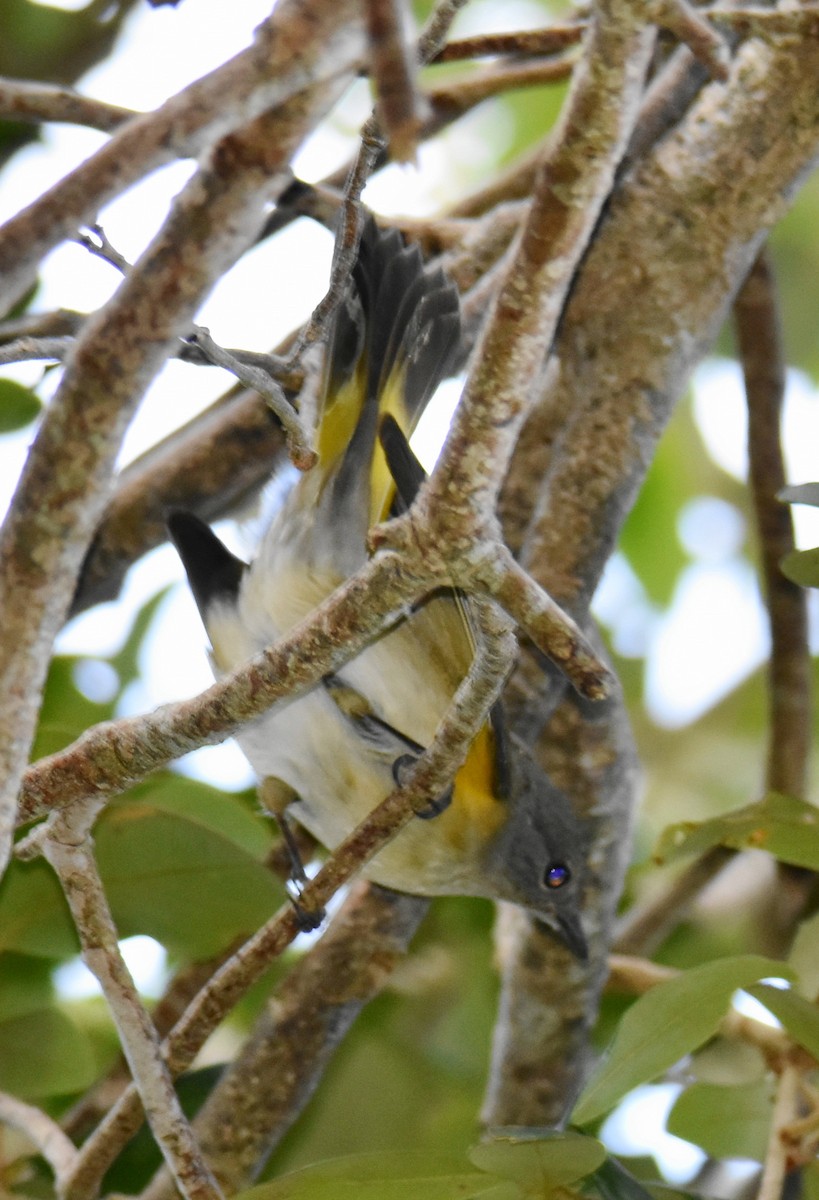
[330, 755]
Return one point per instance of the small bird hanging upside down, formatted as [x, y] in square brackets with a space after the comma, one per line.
[332, 754]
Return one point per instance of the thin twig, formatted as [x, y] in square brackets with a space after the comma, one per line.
[301, 452]
[250, 369]
[523, 43]
[96, 242]
[62, 322]
[550, 628]
[644, 927]
[789, 673]
[515, 183]
[448, 101]
[636, 976]
[777, 1156]
[33, 349]
[22, 100]
[371, 148]
[59, 1151]
[348, 234]
[436, 30]
[790, 723]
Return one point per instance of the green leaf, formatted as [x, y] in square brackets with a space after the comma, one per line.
[66, 712]
[801, 493]
[726, 1122]
[25, 985]
[802, 567]
[126, 660]
[224, 813]
[44, 1054]
[18, 406]
[649, 539]
[667, 1023]
[33, 913]
[810, 1181]
[804, 955]
[192, 889]
[184, 863]
[786, 827]
[543, 1162]
[799, 1016]
[384, 1175]
[728, 1062]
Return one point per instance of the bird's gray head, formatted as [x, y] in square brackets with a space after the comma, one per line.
[536, 860]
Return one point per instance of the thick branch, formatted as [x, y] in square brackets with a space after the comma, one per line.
[646, 308]
[541, 1044]
[208, 466]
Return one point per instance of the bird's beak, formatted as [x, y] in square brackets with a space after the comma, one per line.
[570, 932]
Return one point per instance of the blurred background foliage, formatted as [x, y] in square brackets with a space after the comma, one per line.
[186, 863]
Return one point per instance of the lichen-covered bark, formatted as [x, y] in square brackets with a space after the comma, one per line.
[677, 240]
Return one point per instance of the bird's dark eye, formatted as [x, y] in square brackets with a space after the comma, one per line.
[556, 875]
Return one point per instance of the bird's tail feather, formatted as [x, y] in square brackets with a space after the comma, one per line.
[394, 338]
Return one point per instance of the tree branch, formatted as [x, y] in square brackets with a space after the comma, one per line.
[777, 1155]
[298, 440]
[59, 1151]
[21, 100]
[790, 725]
[521, 43]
